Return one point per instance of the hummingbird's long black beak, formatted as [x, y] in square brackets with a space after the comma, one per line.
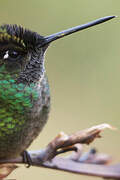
[53, 37]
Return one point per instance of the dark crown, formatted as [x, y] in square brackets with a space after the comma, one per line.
[21, 36]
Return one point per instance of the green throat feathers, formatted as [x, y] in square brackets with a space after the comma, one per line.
[16, 100]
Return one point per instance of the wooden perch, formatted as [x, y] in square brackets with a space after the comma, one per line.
[78, 162]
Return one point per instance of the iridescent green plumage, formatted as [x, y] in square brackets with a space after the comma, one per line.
[15, 101]
[18, 114]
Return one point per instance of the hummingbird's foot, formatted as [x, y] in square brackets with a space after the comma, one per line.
[27, 159]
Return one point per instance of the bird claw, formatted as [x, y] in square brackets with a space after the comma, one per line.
[27, 159]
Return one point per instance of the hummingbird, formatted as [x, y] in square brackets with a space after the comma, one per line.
[24, 87]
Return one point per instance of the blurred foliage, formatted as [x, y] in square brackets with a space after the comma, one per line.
[83, 70]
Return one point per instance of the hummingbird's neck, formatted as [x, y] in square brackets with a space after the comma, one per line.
[34, 70]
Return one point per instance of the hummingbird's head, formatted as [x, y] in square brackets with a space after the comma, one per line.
[21, 54]
[22, 51]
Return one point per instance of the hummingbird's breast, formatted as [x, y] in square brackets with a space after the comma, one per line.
[23, 112]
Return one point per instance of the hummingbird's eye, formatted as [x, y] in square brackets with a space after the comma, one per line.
[13, 54]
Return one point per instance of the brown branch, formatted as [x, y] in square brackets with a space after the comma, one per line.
[69, 165]
[78, 162]
[66, 142]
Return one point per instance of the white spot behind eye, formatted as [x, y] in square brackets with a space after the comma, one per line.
[6, 55]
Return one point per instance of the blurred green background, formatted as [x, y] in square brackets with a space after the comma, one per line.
[83, 71]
